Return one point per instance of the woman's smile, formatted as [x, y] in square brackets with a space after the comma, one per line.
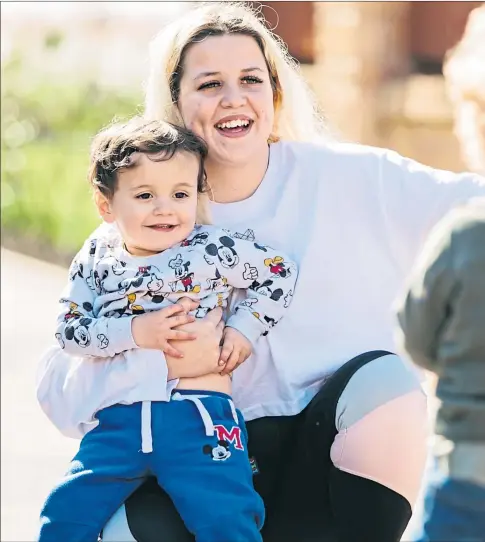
[234, 126]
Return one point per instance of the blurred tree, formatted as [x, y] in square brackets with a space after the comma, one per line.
[46, 132]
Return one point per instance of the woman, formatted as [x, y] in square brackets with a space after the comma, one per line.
[337, 423]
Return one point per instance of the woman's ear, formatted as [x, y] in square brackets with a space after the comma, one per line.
[104, 207]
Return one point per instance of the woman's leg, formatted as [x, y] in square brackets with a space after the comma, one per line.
[359, 456]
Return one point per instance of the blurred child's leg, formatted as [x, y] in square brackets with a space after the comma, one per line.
[454, 512]
[205, 469]
[107, 469]
[454, 502]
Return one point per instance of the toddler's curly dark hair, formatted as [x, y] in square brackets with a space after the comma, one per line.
[113, 147]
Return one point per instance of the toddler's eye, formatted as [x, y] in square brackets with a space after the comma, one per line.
[145, 195]
[180, 195]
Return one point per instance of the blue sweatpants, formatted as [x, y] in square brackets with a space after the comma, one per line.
[195, 448]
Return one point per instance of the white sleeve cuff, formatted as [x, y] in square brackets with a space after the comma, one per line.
[120, 335]
[247, 324]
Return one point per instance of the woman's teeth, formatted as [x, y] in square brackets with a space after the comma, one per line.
[233, 124]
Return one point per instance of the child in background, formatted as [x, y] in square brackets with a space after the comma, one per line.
[120, 309]
[442, 319]
[453, 500]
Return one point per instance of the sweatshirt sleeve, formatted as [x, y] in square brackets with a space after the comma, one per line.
[425, 306]
[268, 275]
[78, 331]
[415, 197]
[61, 386]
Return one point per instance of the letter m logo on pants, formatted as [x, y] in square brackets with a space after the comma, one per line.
[234, 435]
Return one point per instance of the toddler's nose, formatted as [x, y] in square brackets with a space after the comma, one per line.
[162, 207]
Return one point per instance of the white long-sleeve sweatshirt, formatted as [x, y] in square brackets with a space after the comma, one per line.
[353, 219]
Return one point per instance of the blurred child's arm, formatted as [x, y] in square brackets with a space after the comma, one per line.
[78, 331]
[426, 306]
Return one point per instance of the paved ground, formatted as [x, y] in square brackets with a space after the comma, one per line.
[34, 453]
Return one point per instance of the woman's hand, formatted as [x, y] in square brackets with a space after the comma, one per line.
[200, 356]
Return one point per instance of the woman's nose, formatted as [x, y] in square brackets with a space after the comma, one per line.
[233, 96]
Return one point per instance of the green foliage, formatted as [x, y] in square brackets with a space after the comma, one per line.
[47, 128]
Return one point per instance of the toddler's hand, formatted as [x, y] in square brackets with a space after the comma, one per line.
[154, 329]
[235, 349]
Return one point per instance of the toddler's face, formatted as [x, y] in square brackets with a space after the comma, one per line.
[155, 203]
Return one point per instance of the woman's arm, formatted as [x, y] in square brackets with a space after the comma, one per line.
[415, 197]
[61, 378]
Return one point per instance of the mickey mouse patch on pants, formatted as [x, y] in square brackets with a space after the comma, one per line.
[220, 452]
[225, 437]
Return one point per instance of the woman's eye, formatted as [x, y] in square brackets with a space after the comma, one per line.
[145, 195]
[251, 79]
[209, 84]
[248, 79]
[180, 195]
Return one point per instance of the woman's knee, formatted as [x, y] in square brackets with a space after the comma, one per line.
[382, 426]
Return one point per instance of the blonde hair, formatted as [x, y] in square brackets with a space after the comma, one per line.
[297, 116]
[464, 67]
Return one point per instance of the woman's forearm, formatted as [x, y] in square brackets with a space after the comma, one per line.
[183, 368]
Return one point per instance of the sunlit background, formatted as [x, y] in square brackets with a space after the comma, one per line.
[68, 68]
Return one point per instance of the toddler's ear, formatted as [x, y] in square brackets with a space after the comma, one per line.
[104, 207]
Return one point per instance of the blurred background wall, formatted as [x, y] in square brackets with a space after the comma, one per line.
[69, 68]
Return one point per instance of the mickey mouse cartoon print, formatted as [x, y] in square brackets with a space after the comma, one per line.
[224, 251]
[266, 274]
[278, 266]
[266, 289]
[183, 276]
[149, 278]
[79, 332]
[219, 452]
[197, 239]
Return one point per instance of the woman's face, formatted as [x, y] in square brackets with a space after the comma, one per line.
[226, 97]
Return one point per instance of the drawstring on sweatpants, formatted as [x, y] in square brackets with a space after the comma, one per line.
[146, 418]
[204, 414]
[146, 427]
